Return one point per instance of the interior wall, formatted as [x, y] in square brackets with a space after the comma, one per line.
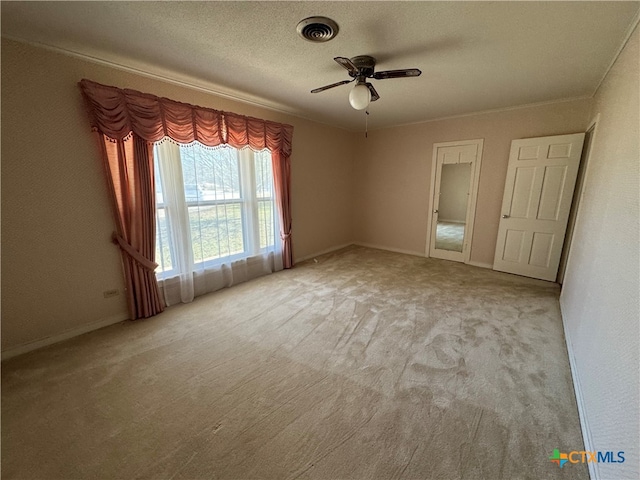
[57, 256]
[454, 192]
[392, 175]
[599, 297]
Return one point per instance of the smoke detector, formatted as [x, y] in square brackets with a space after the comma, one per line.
[317, 29]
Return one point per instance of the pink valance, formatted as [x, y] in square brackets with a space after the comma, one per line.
[116, 113]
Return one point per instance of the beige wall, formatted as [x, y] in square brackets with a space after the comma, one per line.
[392, 176]
[600, 292]
[57, 257]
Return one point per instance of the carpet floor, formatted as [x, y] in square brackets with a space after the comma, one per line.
[363, 365]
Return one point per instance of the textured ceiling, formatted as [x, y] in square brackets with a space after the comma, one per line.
[474, 56]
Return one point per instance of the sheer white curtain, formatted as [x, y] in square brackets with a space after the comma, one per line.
[167, 155]
[216, 218]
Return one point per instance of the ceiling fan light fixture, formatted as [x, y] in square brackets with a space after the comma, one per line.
[360, 96]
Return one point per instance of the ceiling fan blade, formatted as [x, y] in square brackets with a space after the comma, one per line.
[348, 64]
[327, 87]
[407, 72]
[374, 94]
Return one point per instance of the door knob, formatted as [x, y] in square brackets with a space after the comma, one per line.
[435, 211]
[505, 216]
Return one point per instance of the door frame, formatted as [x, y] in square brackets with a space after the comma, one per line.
[473, 197]
[577, 199]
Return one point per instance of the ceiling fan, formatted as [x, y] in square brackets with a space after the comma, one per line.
[361, 68]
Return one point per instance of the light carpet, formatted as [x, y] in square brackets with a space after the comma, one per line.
[364, 365]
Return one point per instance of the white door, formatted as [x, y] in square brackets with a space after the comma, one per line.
[455, 175]
[537, 198]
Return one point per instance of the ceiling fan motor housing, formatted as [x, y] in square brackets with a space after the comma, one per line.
[365, 65]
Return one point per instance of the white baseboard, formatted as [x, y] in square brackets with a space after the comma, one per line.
[74, 332]
[584, 425]
[386, 248]
[482, 265]
[323, 252]
[390, 249]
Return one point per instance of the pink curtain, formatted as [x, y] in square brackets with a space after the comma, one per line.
[129, 165]
[127, 123]
[282, 182]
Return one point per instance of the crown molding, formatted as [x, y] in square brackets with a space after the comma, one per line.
[494, 110]
[166, 76]
[632, 27]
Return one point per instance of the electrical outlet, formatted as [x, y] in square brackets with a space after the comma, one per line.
[110, 293]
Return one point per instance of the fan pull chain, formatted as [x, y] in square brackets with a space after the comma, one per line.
[366, 124]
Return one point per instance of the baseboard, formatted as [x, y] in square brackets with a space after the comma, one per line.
[584, 425]
[382, 247]
[323, 252]
[74, 332]
[481, 265]
[390, 249]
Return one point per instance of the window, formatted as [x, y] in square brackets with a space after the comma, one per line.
[213, 205]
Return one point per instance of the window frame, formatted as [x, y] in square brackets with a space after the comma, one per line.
[249, 203]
